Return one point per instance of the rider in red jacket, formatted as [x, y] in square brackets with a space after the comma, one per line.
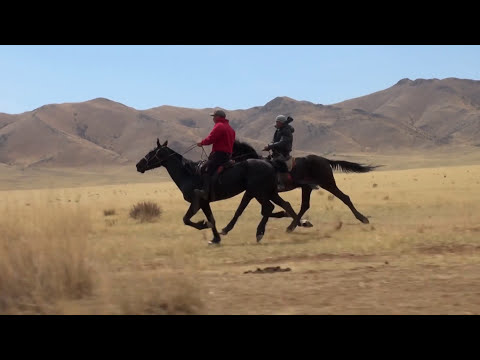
[222, 137]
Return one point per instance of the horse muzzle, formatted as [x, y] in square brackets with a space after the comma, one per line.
[140, 169]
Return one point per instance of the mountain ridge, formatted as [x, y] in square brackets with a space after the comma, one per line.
[412, 115]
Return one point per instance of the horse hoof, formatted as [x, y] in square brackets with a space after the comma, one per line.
[214, 242]
[259, 238]
[306, 223]
[365, 221]
[224, 232]
[289, 229]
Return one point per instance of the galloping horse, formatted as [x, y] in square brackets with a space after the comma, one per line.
[256, 177]
[307, 171]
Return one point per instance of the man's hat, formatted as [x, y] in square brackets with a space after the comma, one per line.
[219, 113]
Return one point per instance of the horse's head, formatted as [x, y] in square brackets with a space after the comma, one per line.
[154, 158]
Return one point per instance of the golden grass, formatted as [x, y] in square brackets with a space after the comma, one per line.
[53, 262]
[45, 257]
[419, 254]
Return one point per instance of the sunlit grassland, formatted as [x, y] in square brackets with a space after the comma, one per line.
[76, 249]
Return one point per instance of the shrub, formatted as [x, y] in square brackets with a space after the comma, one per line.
[109, 212]
[146, 211]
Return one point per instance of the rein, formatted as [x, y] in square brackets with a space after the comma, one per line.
[161, 161]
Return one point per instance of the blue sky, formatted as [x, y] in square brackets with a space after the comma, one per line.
[228, 76]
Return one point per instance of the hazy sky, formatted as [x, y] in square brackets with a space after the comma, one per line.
[228, 76]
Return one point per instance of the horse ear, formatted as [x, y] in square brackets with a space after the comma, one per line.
[165, 143]
[158, 143]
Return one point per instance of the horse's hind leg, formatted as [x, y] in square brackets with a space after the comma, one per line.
[346, 199]
[267, 208]
[247, 197]
[323, 174]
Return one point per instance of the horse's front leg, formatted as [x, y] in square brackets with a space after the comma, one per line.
[201, 225]
[281, 214]
[211, 222]
[247, 197]
[284, 214]
[306, 191]
[267, 208]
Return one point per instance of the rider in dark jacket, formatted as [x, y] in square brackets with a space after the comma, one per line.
[282, 139]
[282, 144]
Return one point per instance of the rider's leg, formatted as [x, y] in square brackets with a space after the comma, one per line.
[217, 159]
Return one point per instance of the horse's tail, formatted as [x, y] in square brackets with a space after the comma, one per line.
[347, 166]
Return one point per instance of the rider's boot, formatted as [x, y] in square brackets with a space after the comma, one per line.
[205, 191]
[282, 181]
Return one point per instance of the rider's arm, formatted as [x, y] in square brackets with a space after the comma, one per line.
[285, 139]
[213, 136]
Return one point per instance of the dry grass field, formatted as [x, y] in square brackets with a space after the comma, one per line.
[71, 249]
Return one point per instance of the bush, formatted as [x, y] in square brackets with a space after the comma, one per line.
[109, 212]
[145, 211]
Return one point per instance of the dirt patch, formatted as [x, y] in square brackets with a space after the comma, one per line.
[450, 249]
[317, 257]
[462, 229]
[268, 270]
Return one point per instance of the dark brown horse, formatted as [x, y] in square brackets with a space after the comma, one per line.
[308, 171]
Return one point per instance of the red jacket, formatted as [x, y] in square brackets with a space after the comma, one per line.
[222, 137]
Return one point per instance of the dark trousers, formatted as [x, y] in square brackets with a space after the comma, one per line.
[282, 176]
[215, 160]
[280, 156]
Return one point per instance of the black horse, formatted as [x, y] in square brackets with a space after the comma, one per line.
[307, 171]
[256, 177]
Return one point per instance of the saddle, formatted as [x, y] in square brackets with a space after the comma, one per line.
[225, 166]
[284, 166]
[200, 169]
[290, 163]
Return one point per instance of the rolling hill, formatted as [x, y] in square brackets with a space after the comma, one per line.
[423, 115]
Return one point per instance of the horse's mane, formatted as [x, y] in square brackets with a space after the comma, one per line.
[190, 165]
[243, 151]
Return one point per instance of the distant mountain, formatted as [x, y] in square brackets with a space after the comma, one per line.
[418, 115]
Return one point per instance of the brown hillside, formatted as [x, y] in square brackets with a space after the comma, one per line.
[420, 115]
[446, 111]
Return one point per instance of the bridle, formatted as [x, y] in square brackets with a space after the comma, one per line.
[160, 162]
[155, 157]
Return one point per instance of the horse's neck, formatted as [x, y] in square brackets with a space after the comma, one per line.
[178, 169]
